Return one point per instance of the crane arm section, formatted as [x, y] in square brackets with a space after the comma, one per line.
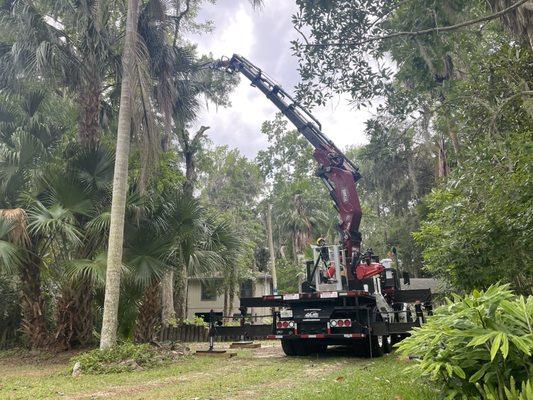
[337, 172]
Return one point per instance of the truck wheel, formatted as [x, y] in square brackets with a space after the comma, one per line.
[387, 344]
[377, 347]
[318, 348]
[302, 348]
[288, 347]
[397, 338]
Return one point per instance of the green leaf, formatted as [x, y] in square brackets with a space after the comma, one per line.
[459, 372]
[476, 341]
[495, 346]
[505, 345]
[477, 375]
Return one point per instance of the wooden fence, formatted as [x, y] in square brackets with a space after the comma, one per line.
[194, 333]
[184, 333]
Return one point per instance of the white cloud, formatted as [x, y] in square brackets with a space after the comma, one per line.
[232, 35]
[264, 37]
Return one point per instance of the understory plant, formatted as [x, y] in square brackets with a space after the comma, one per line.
[478, 345]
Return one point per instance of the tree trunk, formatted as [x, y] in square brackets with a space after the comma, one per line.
[74, 316]
[149, 314]
[455, 143]
[226, 293]
[33, 320]
[271, 248]
[294, 245]
[442, 167]
[232, 286]
[180, 295]
[120, 185]
[89, 119]
[168, 315]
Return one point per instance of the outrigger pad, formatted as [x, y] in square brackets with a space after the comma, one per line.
[245, 345]
[215, 353]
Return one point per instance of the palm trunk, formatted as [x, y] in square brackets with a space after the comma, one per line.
[231, 294]
[180, 296]
[168, 315]
[294, 245]
[74, 316]
[33, 319]
[83, 329]
[89, 120]
[120, 185]
[149, 314]
[226, 301]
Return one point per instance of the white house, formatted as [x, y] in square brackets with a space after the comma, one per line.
[205, 294]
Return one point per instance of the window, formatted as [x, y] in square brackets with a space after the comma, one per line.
[247, 289]
[209, 290]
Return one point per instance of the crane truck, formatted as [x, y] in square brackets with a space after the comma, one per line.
[348, 296]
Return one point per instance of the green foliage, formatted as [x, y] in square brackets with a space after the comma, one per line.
[287, 273]
[480, 223]
[301, 206]
[121, 358]
[10, 317]
[196, 321]
[479, 343]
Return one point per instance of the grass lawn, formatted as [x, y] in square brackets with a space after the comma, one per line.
[253, 374]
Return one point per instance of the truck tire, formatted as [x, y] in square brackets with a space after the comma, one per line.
[288, 347]
[362, 348]
[397, 338]
[302, 348]
[387, 344]
[318, 347]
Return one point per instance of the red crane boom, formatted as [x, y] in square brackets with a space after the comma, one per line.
[336, 171]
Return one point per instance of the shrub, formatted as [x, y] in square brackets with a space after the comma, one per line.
[122, 358]
[196, 321]
[477, 345]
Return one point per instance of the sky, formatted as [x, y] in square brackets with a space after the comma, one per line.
[263, 36]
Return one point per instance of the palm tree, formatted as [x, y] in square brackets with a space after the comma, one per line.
[67, 216]
[72, 45]
[120, 184]
[300, 215]
[29, 139]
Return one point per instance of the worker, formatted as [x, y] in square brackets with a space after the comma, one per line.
[324, 252]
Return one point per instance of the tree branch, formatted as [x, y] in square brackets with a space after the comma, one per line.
[426, 31]
[178, 20]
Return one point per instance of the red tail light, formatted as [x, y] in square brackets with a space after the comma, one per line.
[340, 323]
[279, 325]
[285, 324]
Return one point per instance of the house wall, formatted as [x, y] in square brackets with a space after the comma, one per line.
[195, 304]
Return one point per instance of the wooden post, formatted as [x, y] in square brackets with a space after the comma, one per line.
[271, 248]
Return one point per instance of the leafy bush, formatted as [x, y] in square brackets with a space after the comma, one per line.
[196, 321]
[122, 358]
[10, 312]
[480, 222]
[477, 345]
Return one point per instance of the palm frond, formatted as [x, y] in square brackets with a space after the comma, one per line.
[93, 166]
[10, 257]
[93, 270]
[55, 223]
